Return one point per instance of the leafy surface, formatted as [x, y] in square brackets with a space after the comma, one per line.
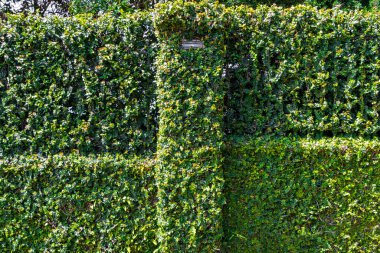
[72, 203]
[301, 195]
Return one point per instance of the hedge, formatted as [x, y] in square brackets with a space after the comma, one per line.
[303, 71]
[343, 4]
[296, 71]
[190, 138]
[99, 6]
[302, 195]
[72, 203]
[77, 83]
[74, 92]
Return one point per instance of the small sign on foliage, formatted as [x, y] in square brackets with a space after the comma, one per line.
[188, 44]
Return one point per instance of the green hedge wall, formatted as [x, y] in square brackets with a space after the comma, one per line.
[190, 138]
[343, 4]
[77, 83]
[303, 71]
[120, 6]
[71, 203]
[82, 86]
[300, 195]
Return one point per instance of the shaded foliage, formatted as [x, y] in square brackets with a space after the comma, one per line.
[301, 195]
[41, 7]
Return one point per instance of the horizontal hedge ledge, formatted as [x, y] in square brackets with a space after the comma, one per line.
[77, 204]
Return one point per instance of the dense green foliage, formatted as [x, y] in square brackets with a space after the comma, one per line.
[113, 6]
[343, 4]
[300, 195]
[77, 204]
[77, 83]
[190, 100]
[304, 71]
[80, 96]
[119, 6]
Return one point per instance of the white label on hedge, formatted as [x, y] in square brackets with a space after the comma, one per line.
[187, 44]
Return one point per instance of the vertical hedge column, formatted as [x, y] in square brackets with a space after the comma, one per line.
[190, 100]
